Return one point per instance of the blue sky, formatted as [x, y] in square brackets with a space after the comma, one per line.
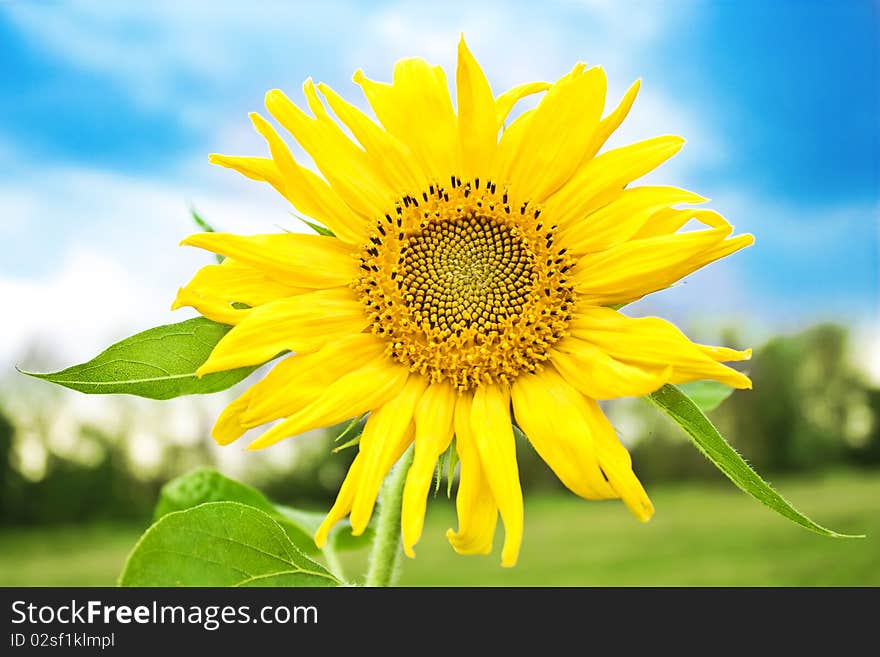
[108, 112]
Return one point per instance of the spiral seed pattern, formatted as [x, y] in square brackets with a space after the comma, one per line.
[473, 272]
[466, 285]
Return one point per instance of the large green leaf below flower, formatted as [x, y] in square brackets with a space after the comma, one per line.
[159, 363]
[220, 544]
[206, 485]
[709, 441]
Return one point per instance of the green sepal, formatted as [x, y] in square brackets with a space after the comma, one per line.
[349, 427]
[438, 473]
[200, 221]
[349, 443]
[318, 228]
[450, 473]
[205, 226]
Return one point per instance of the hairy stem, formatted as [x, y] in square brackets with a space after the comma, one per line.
[387, 550]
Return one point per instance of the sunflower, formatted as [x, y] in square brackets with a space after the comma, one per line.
[468, 282]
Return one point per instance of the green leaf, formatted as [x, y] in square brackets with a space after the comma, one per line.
[291, 580]
[707, 395]
[220, 544]
[159, 363]
[707, 439]
[207, 485]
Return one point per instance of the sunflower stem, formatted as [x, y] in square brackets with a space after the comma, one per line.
[387, 550]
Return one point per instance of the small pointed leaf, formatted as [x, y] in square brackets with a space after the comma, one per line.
[705, 436]
[159, 363]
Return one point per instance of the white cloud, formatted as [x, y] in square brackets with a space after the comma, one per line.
[519, 42]
[809, 225]
[90, 296]
[155, 50]
[107, 244]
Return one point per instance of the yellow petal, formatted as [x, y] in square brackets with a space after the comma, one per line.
[344, 499]
[214, 289]
[306, 191]
[302, 323]
[505, 102]
[631, 270]
[477, 511]
[434, 426]
[725, 354]
[387, 434]
[417, 110]
[299, 380]
[262, 169]
[214, 308]
[612, 122]
[596, 374]
[235, 280]
[551, 414]
[477, 120]
[556, 135]
[666, 222]
[654, 345]
[622, 218]
[358, 392]
[616, 462]
[392, 158]
[602, 179]
[311, 261]
[493, 434]
[228, 427]
[345, 166]
[509, 147]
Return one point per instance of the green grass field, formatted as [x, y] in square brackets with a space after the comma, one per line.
[701, 535]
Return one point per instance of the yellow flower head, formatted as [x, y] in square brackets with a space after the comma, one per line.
[474, 271]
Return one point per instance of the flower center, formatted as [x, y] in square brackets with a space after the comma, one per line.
[473, 272]
[466, 285]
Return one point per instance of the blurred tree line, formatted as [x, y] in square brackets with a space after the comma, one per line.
[811, 409]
